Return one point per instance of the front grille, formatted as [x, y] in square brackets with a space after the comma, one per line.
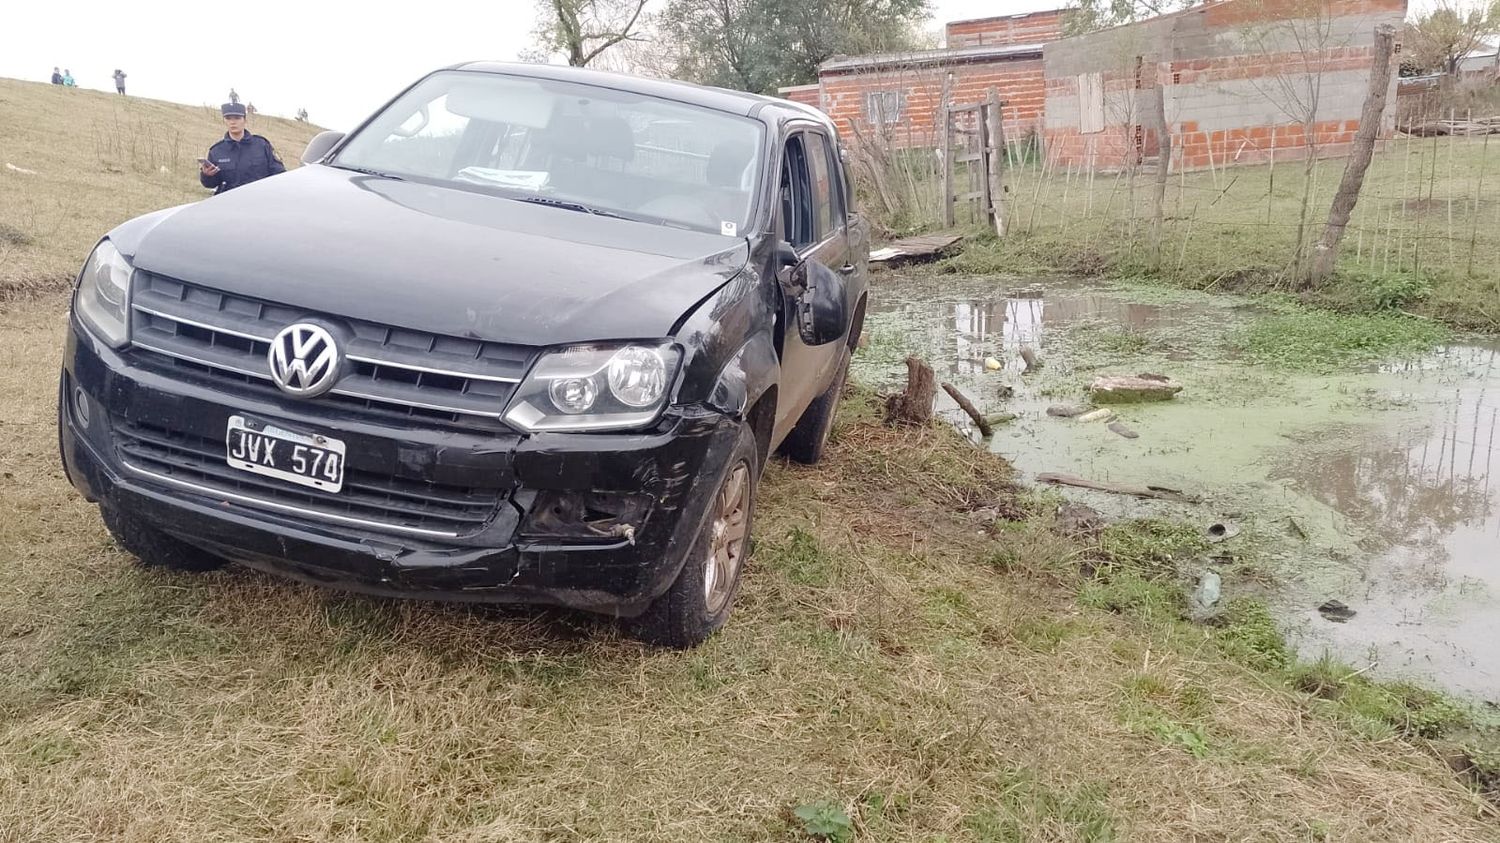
[375, 501]
[388, 369]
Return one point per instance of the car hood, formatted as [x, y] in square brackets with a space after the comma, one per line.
[437, 259]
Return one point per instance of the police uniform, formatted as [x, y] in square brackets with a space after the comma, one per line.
[242, 161]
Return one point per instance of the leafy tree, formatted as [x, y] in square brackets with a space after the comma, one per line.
[1438, 39]
[759, 45]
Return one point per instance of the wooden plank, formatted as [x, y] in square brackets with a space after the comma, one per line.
[914, 248]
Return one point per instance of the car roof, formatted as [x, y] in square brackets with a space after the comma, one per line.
[719, 99]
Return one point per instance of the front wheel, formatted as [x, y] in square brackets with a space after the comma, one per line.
[699, 601]
[809, 437]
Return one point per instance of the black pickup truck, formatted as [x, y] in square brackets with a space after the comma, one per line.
[527, 334]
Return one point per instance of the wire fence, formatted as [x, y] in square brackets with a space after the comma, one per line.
[1429, 204]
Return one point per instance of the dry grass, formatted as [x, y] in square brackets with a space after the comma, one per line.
[96, 160]
[927, 668]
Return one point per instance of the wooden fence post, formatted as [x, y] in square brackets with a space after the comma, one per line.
[995, 160]
[946, 122]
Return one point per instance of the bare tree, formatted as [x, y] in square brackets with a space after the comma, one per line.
[1093, 15]
[583, 29]
[1302, 40]
[1327, 251]
[1439, 39]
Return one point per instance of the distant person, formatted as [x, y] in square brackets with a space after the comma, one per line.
[120, 81]
[301, 115]
[240, 158]
[251, 109]
[234, 97]
[68, 79]
[56, 76]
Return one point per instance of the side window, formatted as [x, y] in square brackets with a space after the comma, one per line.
[824, 187]
[797, 220]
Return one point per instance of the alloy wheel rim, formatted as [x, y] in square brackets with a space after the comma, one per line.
[730, 528]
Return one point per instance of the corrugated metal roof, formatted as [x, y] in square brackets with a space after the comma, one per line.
[922, 58]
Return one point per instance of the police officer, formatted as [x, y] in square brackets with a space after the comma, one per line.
[240, 158]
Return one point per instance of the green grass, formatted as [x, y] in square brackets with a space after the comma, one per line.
[1316, 339]
[1235, 229]
[1021, 803]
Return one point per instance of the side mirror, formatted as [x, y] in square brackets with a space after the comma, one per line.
[822, 308]
[320, 145]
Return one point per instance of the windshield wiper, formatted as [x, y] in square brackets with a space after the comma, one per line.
[368, 172]
[569, 206]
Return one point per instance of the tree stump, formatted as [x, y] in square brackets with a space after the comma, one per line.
[914, 406]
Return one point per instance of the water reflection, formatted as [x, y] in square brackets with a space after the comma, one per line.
[1390, 469]
[969, 330]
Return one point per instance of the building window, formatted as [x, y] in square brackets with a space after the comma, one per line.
[883, 107]
[1090, 103]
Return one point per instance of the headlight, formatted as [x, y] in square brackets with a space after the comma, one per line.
[590, 387]
[103, 290]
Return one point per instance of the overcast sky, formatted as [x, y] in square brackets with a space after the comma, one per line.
[339, 61]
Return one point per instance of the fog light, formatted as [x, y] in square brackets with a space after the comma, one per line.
[81, 407]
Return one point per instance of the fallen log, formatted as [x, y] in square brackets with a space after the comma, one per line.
[968, 407]
[1154, 492]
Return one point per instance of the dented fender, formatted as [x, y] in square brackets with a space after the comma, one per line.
[746, 377]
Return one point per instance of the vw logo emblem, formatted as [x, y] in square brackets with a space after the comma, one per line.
[304, 360]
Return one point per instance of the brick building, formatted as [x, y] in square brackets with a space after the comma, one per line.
[1235, 79]
[897, 95]
[1231, 77]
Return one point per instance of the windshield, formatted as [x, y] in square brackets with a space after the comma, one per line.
[579, 147]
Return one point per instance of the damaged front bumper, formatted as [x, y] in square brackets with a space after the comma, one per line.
[600, 522]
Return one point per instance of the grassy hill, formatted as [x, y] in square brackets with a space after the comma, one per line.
[917, 653]
[95, 160]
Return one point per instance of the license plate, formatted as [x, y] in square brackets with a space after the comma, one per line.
[316, 461]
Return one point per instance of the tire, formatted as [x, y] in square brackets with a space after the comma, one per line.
[696, 606]
[154, 548]
[809, 437]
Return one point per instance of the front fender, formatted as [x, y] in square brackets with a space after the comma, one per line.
[747, 376]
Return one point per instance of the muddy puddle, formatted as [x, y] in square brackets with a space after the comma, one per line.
[1374, 487]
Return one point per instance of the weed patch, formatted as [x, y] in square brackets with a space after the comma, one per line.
[1317, 339]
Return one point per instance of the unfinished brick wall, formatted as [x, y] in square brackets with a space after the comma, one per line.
[1234, 76]
[805, 94]
[1035, 28]
[847, 96]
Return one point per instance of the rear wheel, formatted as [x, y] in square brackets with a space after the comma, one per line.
[154, 548]
[699, 601]
[807, 440]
